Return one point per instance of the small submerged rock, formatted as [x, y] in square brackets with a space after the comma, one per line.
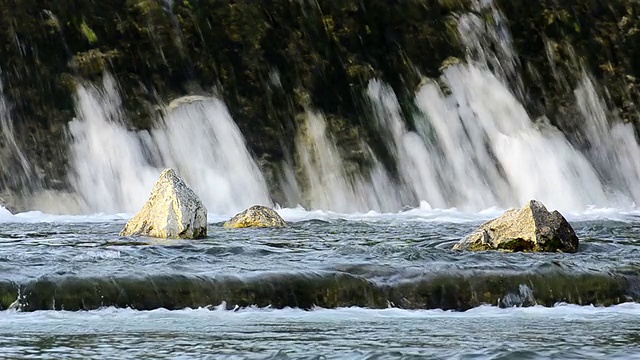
[532, 229]
[256, 216]
[172, 211]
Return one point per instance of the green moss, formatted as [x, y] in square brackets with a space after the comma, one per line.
[516, 245]
[88, 33]
[478, 246]
[92, 63]
[7, 298]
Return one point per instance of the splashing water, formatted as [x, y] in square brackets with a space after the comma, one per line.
[12, 154]
[202, 142]
[114, 169]
[329, 184]
[475, 146]
[472, 146]
[614, 149]
[493, 154]
[413, 156]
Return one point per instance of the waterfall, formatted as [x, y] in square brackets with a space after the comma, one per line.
[489, 44]
[115, 168]
[494, 154]
[414, 159]
[329, 185]
[475, 146]
[11, 154]
[468, 142]
[613, 149]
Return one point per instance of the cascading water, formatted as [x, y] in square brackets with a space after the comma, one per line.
[110, 172]
[200, 139]
[329, 184]
[472, 145]
[11, 155]
[476, 147]
[493, 154]
[489, 45]
[114, 169]
[412, 155]
[613, 149]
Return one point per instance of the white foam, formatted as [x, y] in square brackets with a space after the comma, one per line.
[40, 217]
[4, 212]
[328, 183]
[424, 213]
[463, 156]
[219, 315]
[113, 168]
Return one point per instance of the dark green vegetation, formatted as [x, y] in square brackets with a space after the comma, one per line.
[448, 292]
[270, 60]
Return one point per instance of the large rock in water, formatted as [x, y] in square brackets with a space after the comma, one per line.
[531, 229]
[172, 211]
[256, 216]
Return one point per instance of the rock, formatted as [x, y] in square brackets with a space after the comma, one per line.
[172, 211]
[4, 211]
[256, 216]
[530, 229]
[8, 203]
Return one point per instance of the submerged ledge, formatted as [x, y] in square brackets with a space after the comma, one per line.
[450, 291]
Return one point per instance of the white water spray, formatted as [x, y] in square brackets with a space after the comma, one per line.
[114, 168]
[11, 153]
[476, 146]
[329, 185]
[614, 148]
[413, 156]
[493, 154]
[471, 145]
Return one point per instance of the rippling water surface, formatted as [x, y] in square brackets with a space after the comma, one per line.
[332, 286]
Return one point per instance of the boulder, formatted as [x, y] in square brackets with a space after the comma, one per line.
[256, 216]
[530, 229]
[172, 211]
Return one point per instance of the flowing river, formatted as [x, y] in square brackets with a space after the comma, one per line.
[361, 286]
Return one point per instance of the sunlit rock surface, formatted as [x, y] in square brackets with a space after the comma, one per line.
[256, 216]
[532, 228]
[172, 211]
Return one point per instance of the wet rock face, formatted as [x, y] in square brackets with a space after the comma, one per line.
[449, 291]
[172, 211]
[6, 205]
[531, 229]
[256, 216]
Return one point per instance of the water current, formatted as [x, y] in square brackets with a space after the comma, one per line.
[362, 286]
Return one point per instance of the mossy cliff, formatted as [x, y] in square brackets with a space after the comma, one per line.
[556, 40]
[270, 60]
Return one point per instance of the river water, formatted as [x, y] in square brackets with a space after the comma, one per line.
[361, 286]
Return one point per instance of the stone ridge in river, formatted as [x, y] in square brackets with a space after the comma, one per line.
[172, 211]
[256, 216]
[530, 229]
